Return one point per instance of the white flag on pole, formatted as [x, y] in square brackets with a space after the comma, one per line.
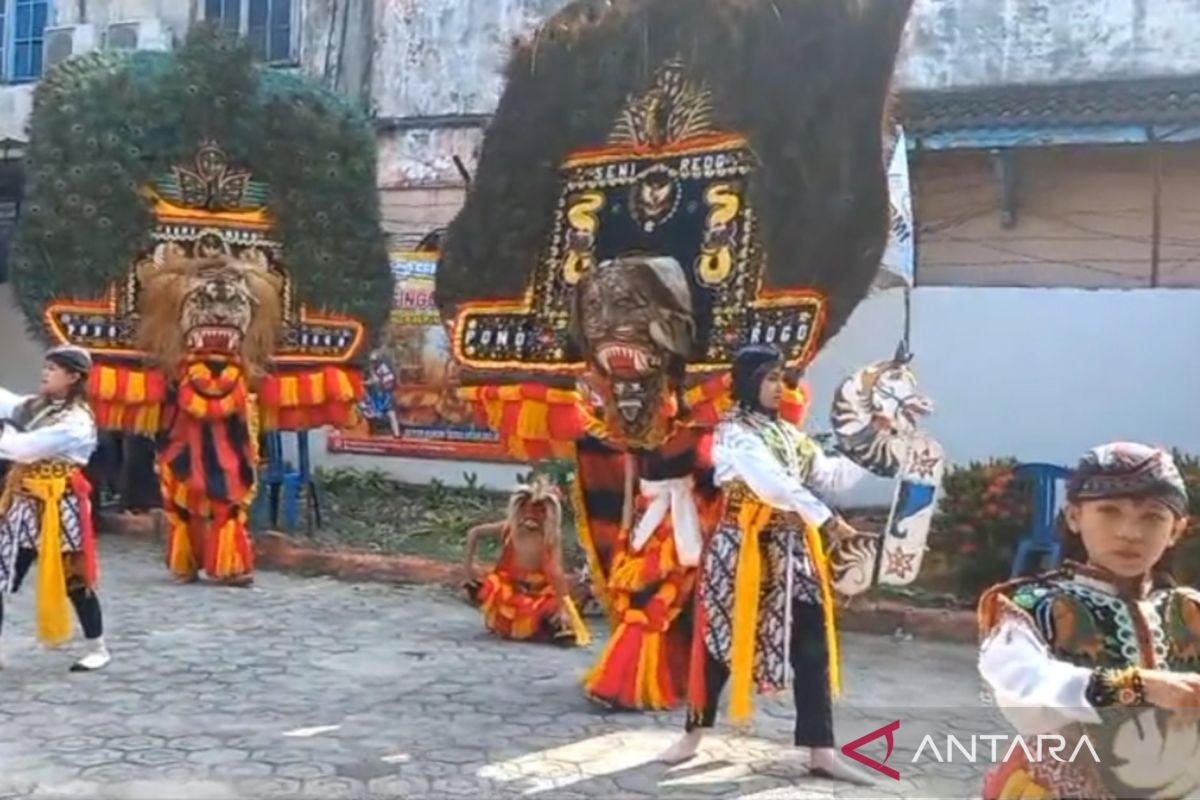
[898, 258]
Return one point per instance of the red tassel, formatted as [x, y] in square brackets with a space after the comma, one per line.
[91, 559]
[269, 392]
[617, 678]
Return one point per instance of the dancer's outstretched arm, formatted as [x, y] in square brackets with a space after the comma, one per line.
[73, 436]
[486, 529]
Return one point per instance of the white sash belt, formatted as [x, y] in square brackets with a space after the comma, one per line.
[676, 496]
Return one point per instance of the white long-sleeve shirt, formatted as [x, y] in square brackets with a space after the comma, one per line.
[739, 453]
[71, 436]
[1036, 692]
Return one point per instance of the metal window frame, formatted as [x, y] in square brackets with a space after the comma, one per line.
[294, 22]
[8, 46]
[5, 50]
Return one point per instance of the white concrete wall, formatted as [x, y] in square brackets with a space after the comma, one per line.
[1037, 374]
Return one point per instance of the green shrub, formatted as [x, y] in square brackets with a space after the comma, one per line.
[984, 510]
[1185, 558]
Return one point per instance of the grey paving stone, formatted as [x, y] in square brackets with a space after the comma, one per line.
[217, 694]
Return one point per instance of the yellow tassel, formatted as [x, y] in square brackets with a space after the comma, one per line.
[254, 425]
[180, 558]
[289, 391]
[648, 670]
[495, 414]
[583, 636]
[197, 407]
[316, 387]
[821, 562]
[533, 421]
[752, 518]
[53, 611]
[229, 561]
[108, 384]
[345, 389]
[136, 393]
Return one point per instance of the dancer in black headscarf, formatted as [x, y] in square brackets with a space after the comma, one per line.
[765, 600]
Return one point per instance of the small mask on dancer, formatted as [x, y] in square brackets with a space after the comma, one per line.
[536, 506]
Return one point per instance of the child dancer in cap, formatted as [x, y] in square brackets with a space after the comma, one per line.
[45, 513]
[1097, 651]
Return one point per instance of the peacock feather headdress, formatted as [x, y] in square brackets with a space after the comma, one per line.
[742, 138]
[135, 157]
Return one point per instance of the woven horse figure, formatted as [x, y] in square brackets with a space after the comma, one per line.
[875, 416]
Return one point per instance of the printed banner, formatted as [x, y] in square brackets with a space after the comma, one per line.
[411, 406]
[898, 258]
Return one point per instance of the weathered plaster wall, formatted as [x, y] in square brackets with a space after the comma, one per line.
[981, 42]
[336, 41]
[439, 57]
[16, 104]
[175, 14]
[425, 156]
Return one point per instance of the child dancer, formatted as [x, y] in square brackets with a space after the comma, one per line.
[1092, 649]
[45, 512]
[526, 595]
[765, 600]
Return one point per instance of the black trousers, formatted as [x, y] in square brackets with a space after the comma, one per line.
[85, 601]
[810, 681]
[139, 483]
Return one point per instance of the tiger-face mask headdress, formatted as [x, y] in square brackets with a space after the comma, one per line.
[220, 307]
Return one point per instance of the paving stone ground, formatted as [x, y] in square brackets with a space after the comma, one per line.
[307, 687]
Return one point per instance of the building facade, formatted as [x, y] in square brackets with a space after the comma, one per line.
[1053, 159]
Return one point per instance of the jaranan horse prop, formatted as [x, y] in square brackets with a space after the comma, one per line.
[875, 416]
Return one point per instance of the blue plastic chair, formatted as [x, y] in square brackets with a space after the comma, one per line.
[282, 483]
[1042, 538]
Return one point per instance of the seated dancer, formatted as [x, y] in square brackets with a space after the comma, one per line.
[1104, 646]
[526, 596]
[45, 510]
[765, 599]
